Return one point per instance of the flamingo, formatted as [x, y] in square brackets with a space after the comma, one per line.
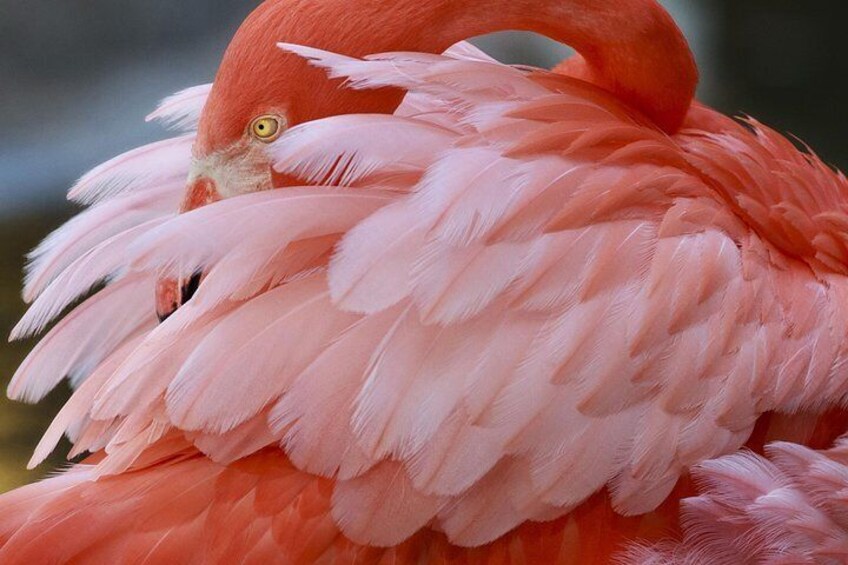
[413, 305]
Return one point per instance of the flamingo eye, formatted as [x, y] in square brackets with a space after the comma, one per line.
[267, 128]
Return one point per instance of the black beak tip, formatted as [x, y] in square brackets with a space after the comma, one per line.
[189, 288]
[186, 291]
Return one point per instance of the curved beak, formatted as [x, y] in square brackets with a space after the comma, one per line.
[172, 293]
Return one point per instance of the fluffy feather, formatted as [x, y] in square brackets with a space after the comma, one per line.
[762, 510]
[157, 164]
[331, 152]
[85, 338]
[92, 227]
[181, 111]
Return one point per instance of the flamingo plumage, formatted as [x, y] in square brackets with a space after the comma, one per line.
[414, 305]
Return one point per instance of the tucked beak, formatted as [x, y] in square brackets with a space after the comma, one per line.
[200, 192]
[172, 293]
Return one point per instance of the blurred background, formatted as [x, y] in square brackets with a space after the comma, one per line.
[78, 77]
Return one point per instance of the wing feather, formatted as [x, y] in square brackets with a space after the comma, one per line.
[147, 167]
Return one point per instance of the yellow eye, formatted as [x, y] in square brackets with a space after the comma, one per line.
[267, 128]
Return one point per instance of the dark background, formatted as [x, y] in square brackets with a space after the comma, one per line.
[77, 78]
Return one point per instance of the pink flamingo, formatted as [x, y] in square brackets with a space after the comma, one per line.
[490, 315]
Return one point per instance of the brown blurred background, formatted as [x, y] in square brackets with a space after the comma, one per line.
[78, 77]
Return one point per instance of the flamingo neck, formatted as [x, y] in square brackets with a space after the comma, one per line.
[633, 48]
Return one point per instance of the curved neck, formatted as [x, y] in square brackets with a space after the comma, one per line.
[633, 48]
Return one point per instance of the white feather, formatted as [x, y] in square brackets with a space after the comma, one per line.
[181, 111]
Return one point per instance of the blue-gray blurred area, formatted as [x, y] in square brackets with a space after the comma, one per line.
[77, 78]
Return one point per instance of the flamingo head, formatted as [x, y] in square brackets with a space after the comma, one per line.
[260, 91]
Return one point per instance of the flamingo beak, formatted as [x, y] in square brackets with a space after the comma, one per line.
[172, 293]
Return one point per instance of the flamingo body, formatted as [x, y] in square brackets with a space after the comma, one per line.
[488, 314]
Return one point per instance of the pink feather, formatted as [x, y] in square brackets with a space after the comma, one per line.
[181, 111]
[144, 168]
[86, 337]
